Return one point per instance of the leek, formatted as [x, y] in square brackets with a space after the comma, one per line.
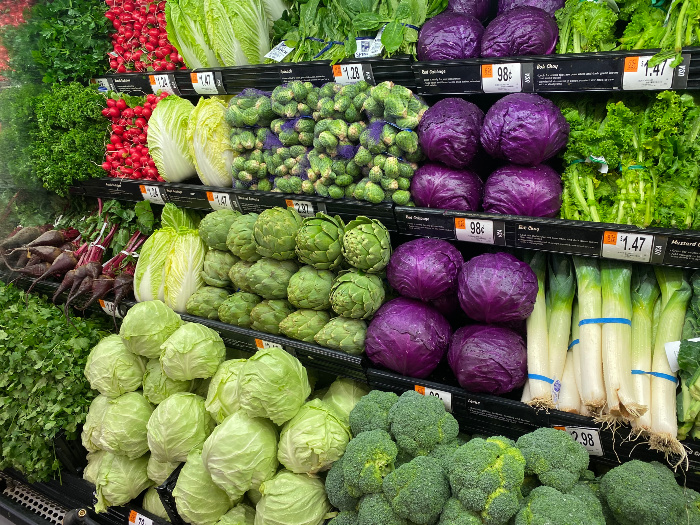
[575, 345]
[526, 397]
[591, 360]
[569, 399]
[560, 295]
[645, 291]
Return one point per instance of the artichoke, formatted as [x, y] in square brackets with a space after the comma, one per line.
[239, 276]
[310, 288]
[217, 265]
[236, 309]
[214, 227]
[367, 245]
[346, 335]
[357, 294]
[275, 232]
[267, 316]
[240, 238]
[205, 302]
[269, 278]
[320, 241]
[304, 324]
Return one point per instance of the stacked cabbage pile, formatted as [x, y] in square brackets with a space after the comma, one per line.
[278, 273]
[250, 440]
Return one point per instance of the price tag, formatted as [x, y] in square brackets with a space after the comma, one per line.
[501, 78]
[588, 437]
[279, 52]
[370, 47]
[627, 246]
[109, 308]
[349, 73]
[220, 201]
[161, 83]
[260, 344]
[637, 75]
[303, 208]
[474, 230]
[139, 519]
[152, 194]
[103, 85]
[672, 350]
[204, 83]
[443, 396]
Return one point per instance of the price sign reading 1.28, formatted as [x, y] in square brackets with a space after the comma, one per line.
[348, 73]
[443, 396]
[501, 78]
[627, 246]
[638, 75]
[474, 230]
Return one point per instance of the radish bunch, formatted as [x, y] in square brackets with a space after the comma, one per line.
[11, 14]
[141, 41]
[127, 152]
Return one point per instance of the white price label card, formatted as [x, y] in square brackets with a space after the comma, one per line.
[220, 201]
[637, 75]
[474, 230]
[627, 246]
[259, 343]
[370, 47]
[103, 85]
[152, 194]
[303, 208]
[588, 437]
[672, 350]
[501, 78]
[139, 519]
[109, 308]
[443, 396]
[204, 83]
[349, 73]
[161, 83]
[279, 52]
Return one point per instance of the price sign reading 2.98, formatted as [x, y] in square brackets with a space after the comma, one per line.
[501, 78]
[588, 437]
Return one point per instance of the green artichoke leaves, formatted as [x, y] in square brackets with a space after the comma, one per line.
[310, 288]
[217, 265]
[343, 334]
[239, 276]
[320, 241]
[356, 294]
[205, 302]
[236, 309]
[367, 245]
[304, 324]
[267, 316]
[275, 232]
[269, 278]
[214, 227]
[240, 240]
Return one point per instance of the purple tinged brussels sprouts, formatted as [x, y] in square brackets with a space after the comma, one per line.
[435, 185]
[449, 36]
[520, 31]
[521, 190]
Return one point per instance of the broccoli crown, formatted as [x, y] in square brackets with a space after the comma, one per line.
[454, 513]
[372, 412]
[368, 458]
[638, 492]
[375, 509]
[345, 518]
[419, 423]
[486, 475]
[554, 457]
[337, 491]
[444, 452]
[593, 484]
[418, 490]
[548, 505]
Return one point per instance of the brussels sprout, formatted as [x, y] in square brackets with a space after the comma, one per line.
[205, 302]
[214, 227]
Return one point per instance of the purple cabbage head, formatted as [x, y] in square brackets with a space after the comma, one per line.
[550, 6]
[497, 288]
[479, 9]
[488, 359]
[435, 185]
[449, 36]
[520, 31]
[448, 305]
[408, 337]
[424, 269]
[521, 190]
[449, 132]
[524, 128]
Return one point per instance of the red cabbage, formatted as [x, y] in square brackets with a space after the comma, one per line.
[424, 269]
[408, 337]
[448, 305]
[435, 185]
[520, 190]
[449, 132]
[487, 358]
[525, 129]
[550, 6]
[479, 9]
[520, 31]
[448, 36]
[497, 288]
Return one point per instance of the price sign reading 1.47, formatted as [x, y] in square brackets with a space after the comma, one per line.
[220, 201]
[501, 78]
[627, 246]
[204, 83]
[637, 75]
[588, 437]
[152, 194]
[303, 208]
[474, 230]
[348, 73]
[443, 396]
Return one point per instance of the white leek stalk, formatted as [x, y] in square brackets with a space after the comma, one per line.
[576, 345]
[526, 397]
[569, 399]
[560, 295]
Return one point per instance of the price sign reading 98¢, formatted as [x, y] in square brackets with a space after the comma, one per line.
[443, 396]
[474, 230]
[501, 78]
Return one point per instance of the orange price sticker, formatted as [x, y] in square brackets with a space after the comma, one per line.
[193, 77]
[561, 428]
[487, 71]
[460, 224]
[259, 343]
[290, 202]
[142, 188]
[337, 72]
[610, 238]
[420, 389]
[210, 196]
[152, 79]
[132, 516]
[631, 64]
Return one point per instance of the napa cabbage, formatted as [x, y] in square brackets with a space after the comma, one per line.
[167, 139]
[209, 142]
[188, 33]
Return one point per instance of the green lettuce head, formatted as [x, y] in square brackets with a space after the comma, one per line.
[205, 302]
[313, 439]
[177, 426]
[159, 471]
[241, 514]
[240, 238]
[124, 425]
[198, 499]
[146, 326]
[214, 228]
[157, 387]
[119, 480]
[217, 264]
[273, 384]
[343, 395]
[275, 233]
[112, 370]
[92, 429]
[192, 351]
[292, 499]
[222, 397]
[241, 453]
[153, 504]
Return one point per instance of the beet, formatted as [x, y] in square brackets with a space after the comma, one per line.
[22, 237]
[63, 263]
[100, 287]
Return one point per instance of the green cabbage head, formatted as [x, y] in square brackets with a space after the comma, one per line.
[92, 428]
[157, 387]
[197, 498]
[153, 504]
[192, 351]
[222, 398]
[119, 480]
[112, 370]
[93, 465]
[292, 499]
[343, 395]
[241, 514]
[146, 326]
[159, 471]
[124, 425]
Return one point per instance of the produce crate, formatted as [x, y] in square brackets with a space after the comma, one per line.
[165, 491]
[71, 453]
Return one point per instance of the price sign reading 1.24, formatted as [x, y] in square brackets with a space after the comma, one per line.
[638, 75]
[501, 78]
[152, 194]
[443, 396]
[588, 437]
[474, 230]
[627, 246]
[303, 208]
[161, 83]
[348, 73]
